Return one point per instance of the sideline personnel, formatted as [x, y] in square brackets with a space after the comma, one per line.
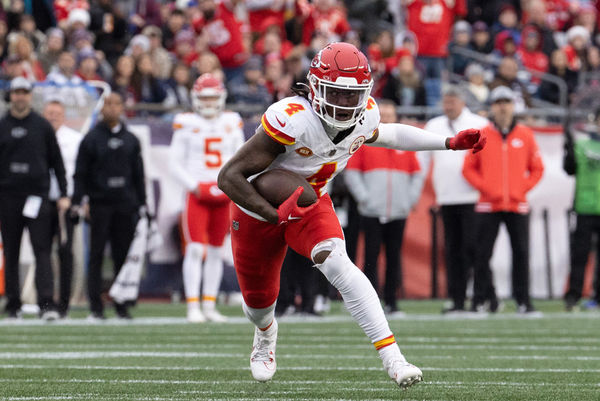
[28, 151]
[68, 141]
[503, 173]
[110, 171]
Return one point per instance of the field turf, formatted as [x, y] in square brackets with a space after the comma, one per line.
[158, 356]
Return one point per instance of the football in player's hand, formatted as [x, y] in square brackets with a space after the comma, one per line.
[277, 185]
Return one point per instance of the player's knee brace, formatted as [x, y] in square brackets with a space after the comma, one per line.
[260, 317]
[337, 267]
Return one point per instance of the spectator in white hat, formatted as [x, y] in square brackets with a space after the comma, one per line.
[476, 86]
[578, 40]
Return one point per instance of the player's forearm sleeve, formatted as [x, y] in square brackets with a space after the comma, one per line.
[407, 137]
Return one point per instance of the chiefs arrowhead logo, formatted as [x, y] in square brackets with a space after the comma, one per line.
[356, 144]
[305, 152]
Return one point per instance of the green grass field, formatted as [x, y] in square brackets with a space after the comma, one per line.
[158, 356]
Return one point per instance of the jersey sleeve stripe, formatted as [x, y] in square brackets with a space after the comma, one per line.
[276, 134]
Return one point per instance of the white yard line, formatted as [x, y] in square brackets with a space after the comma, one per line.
[301, 382]
[544, 357]
[287, 346]
[296, 368]
[151, 321]
[107, 353]
[316, 338]
[91, 397]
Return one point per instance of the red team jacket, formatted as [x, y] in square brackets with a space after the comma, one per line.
[505, 170]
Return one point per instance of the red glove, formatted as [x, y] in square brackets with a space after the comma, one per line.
[468, 139]
[289, 211]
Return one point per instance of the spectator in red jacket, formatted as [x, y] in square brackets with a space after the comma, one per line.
[272, 41]
[328, 18]
[265, 10]
[503, 172]
[224, 35]
[383, 54]
[431, 21]
[530, 53]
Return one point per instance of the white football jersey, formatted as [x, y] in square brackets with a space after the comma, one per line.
[308, 149]
[200, 146]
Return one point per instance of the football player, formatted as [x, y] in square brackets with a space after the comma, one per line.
[314, 134]
[202, 142]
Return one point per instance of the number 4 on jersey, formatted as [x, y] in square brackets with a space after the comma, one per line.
[321, 177]
[293, 108]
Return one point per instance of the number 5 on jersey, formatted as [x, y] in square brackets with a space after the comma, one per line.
[213, 156]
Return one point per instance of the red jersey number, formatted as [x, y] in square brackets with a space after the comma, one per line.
[370, 103]
[321, 177]
[213, 156]
[293, 108]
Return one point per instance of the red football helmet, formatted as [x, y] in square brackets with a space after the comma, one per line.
[340, 84]
[208, 95]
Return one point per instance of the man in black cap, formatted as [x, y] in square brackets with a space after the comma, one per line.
[28, 151]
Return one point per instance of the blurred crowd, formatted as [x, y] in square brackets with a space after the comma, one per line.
[151, 51]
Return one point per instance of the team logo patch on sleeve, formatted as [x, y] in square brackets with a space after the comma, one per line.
[304, 151]
[358, 142]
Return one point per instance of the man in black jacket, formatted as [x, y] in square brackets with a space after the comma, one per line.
[28, 151]
[110, 171]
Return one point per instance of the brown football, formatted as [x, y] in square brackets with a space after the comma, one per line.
[277, 185]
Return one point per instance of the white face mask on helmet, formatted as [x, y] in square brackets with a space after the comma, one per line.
[208, 96]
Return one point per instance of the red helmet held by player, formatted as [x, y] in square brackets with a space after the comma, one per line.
[340, 84]
[208, 95]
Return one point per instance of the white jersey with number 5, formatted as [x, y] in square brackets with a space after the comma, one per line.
[201, 146]
[308, 150]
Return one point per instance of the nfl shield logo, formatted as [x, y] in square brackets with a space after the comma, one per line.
[235, 225]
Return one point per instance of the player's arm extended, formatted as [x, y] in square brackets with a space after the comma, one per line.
[252, 158]
[407, 137]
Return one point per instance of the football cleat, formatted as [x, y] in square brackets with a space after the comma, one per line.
[214, 316]
[262, 358]
[404, 373]
[195, 315]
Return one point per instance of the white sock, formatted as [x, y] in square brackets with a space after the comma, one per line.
[262, 318]
[213, 272]
[390, 353]
[192, 271]
[359, 296]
